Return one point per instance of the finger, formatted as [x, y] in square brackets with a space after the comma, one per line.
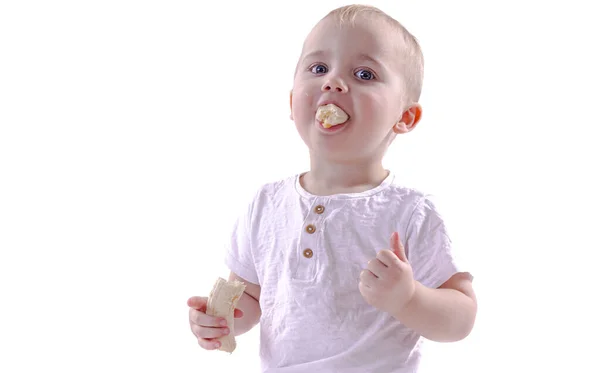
[198, 303]
[397, 247]
[388, 258]
[209, 344]
[209, 333]
[202, 319]
[367, 278]
[365, 291]
[377, 267]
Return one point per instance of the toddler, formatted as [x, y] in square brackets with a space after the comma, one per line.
[346, 268]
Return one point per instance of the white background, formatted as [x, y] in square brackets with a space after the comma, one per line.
[132, 133]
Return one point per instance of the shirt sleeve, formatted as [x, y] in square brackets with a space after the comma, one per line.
[429, 247]
[238, 249]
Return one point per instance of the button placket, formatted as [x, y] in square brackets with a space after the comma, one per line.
[317, 212]
[309, 240]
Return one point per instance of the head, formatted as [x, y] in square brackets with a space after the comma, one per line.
[369, 65]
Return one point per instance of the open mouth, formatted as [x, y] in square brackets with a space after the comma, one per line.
[331, 115]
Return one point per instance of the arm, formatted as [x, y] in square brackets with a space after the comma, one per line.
[445, 314]
[249, 305]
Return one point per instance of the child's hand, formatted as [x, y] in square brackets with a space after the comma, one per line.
[388, 282]
[207, 328]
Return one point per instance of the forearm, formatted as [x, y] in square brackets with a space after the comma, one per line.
[251, 314]
[442, 315]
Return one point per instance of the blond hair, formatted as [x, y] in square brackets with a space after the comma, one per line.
[413, 69]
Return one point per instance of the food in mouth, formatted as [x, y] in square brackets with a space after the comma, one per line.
[331, 115]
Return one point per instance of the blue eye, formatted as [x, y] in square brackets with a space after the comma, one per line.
[364, 74]
[318, 69]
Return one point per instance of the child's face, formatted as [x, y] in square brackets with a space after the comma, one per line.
[359, 69]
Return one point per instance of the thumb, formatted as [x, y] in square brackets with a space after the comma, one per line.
[197, 302]
[397, 247]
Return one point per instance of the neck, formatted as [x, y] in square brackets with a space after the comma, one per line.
[327, 178]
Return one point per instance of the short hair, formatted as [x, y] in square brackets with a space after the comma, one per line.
[413, 70]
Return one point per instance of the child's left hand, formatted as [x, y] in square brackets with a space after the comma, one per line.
[388, 282]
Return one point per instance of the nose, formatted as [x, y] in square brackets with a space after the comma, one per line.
[335, 84]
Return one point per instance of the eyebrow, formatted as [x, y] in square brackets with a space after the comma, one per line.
[313, 54]
[362, 57]
[366, 57]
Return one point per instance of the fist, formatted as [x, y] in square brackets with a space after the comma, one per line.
[387, 283]
[207, 328]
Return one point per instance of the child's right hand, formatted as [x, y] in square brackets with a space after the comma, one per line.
[207, 328]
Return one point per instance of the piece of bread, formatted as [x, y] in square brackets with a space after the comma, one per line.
[222, 301]
[331, 115]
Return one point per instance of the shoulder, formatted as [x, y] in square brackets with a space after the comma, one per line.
[410, 204]
[271, 193]
[413, 197]
[402, 197]
[275, 189]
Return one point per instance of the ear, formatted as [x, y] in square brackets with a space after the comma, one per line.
[409, 119]
[291, 94]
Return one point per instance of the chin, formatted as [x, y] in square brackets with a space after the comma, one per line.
[333, 154]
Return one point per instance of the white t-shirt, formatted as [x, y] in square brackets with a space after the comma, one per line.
[306, 252]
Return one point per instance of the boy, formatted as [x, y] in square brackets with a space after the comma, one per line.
[346, 269]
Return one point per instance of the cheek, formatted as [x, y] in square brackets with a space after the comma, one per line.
[374, 106]
[302, 104]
